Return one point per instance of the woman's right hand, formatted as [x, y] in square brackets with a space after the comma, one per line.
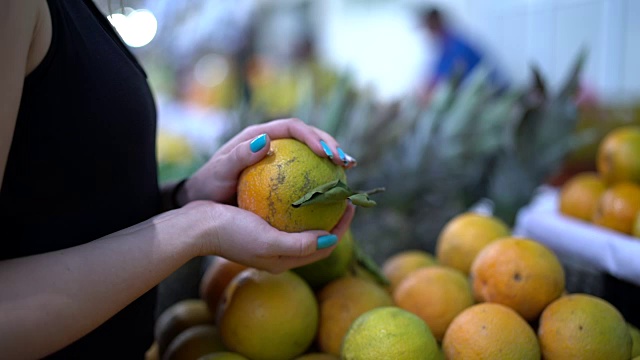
[217, 180]
[244, 237]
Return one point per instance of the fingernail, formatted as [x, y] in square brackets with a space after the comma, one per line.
[326, 149]
[326, 241]
[258, 143]
[351, 159]
[342, 156]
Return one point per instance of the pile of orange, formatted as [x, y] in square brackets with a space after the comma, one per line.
[484, 294]
[609, 197]
[512, 305]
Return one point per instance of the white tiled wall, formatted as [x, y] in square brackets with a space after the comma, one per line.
[548, 33]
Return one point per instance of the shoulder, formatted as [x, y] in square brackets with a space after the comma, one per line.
[19, 44]
[25, 30]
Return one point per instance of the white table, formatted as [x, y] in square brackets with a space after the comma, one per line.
[606, 250]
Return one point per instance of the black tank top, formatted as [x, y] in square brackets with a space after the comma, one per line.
[82, 160]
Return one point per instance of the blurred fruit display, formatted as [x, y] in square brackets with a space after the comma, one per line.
[456, 280]
[514, 305]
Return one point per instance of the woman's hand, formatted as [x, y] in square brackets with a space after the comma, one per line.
[217, 180]
[241, 236]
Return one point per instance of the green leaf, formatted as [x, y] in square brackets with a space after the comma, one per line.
[336, 191]
[571, 86]
[369, 265]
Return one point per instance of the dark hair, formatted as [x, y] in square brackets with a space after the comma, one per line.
[432, 17]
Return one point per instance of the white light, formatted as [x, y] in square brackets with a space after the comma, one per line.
[211, 70]
[137, 28]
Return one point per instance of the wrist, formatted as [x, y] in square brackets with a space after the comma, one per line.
[179, 196]
[203, 227]
[175, 195]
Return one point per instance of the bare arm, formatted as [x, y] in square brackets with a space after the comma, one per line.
[60, 296]
[17, 26]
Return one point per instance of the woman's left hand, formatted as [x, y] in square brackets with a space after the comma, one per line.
[217, 180]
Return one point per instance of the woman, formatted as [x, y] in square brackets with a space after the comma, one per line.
[84, 239]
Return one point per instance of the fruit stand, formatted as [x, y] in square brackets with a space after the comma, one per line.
[577, 241]
[599, 261]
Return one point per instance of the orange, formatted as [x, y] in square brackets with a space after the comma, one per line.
[635, 340]
[222, 355]
[291, 170]
[215, 280]
[581, 326]
[389, 333]
[490, 331]
[267, 316]
[179, 317]
[464, 236]
[636, 226]
[579, 196]
[317, 356]
[519, 273]
[193, 343]
[437, 294]
[336, 265]
[618, 154]
[173, 148]
[341, 302]
[398, 266]
[618, 207]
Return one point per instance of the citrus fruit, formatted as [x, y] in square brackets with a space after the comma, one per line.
[581, 326]
[618, 207]
[216, 278]
[579, 196]
[177, 318]
[398, 266]
[317, 356]
[519, 273]
[173, 148]
[464, 236]
[291, 170]
[618, 154]
[341, 302]
[437, 294]
[490, 331]
[636, 226]
[193, 343]
[389, 333]
[336, 265]
[267, 316]
[223, 355]
[635, 338]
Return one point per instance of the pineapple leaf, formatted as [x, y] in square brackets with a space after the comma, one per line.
[570, 88]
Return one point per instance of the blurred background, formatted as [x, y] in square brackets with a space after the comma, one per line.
[535, 87]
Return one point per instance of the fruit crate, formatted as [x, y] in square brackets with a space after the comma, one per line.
[597, 261]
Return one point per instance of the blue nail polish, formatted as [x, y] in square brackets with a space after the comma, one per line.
[326, 149]
[327, 241]
[258, 143]
[342, 156]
